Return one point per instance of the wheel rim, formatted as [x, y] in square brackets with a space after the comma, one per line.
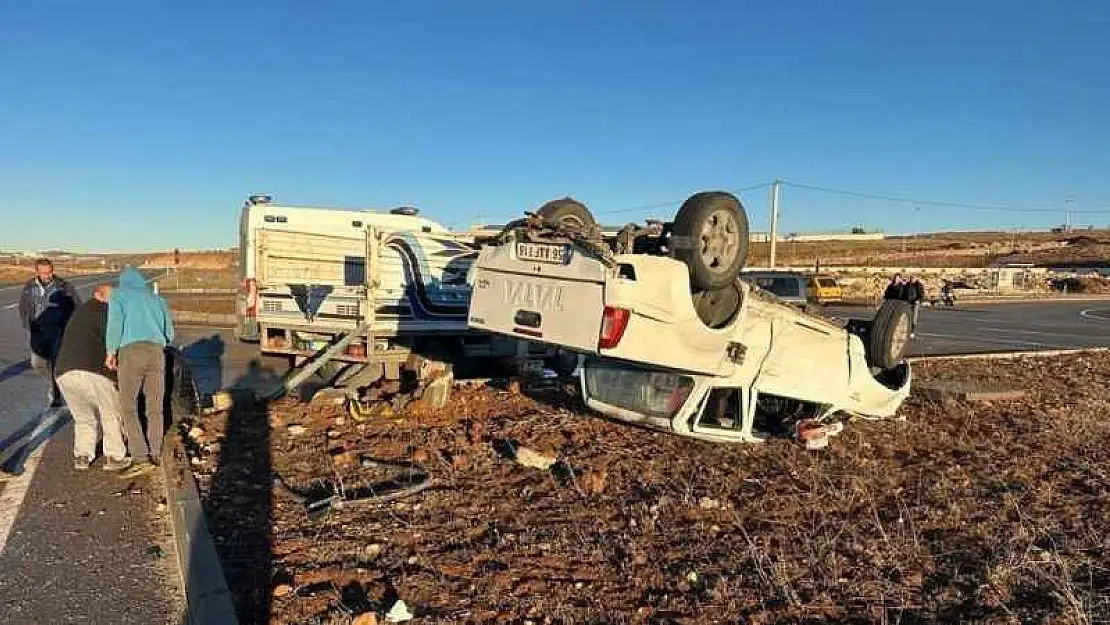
[720, 240]
[900, 336]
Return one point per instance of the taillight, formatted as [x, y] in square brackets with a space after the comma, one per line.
[613, 323]
[250, 288]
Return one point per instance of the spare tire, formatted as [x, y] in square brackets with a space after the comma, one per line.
[889, 334]
[567, 211]
[718, 307]
[710, 235]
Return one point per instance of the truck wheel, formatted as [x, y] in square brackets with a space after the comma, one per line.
[568, 212]
[717, 307]
[711, 237]
[889, 334]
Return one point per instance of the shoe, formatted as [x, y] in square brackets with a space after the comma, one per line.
[113, 464]
[137, 469]
[82, 462]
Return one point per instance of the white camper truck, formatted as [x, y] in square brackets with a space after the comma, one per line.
[357, 292]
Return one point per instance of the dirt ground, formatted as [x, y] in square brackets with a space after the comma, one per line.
[957, 512]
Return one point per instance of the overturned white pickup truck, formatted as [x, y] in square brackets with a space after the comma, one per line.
[672, 338]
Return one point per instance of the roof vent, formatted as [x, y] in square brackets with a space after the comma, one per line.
[407, 211]
[259, 199]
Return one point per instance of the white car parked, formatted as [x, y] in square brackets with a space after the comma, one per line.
[672, 338]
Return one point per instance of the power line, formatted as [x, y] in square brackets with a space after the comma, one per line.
[675, 202]
[963, 205]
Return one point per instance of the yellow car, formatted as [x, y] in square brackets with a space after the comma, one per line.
[824, 290]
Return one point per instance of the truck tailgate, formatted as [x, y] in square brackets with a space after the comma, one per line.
[550, 293]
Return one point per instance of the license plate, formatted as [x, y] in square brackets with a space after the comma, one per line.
[541, 253]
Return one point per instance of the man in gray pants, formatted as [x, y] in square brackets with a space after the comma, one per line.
[139, 329]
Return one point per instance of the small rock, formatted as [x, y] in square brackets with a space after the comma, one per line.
[345, 459]
[369, 618]
[594, 481]
[420, 456]
[514, 387]
[534, 459]
[339, 422]
[196, 432]
[282, 590]
[297, 430]
[399, 613]
[161, 507]
[707, 503]
[196, 462]
[372, 550]
[222, 401]
[413, 560]
[692, 577]
[333, 434]
[330, 397]
[155, 551]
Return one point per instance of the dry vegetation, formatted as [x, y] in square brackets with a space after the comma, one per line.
[946, 250]
[960, 512]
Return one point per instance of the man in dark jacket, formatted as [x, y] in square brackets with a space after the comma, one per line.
[896, 288]
[45, 306]
[914, 293]
[89, 386]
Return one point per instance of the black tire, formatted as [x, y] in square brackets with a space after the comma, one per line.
[711, 237]
[568, 212]
[717, 307]
[889, 334]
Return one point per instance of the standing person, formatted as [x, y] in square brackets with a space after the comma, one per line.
[45, 306]
[914, 293]
[895, 289]
[89, 386]
[139, 329]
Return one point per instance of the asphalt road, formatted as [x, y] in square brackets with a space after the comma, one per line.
[74, 547]
[969, 328]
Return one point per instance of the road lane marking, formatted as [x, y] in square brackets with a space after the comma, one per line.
[11, 306]
[1093, 313]
[15, 489]
[979, 339]
[1015, 331]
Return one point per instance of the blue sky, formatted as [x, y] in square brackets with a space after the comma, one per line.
[143, 125]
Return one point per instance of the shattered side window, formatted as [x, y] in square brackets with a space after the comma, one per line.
[650, 393]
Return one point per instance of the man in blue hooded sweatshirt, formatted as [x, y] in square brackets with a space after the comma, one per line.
[139, 329]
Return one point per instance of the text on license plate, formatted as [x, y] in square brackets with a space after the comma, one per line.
[538, 252]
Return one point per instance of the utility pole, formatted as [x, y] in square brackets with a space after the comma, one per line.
[1067, 214]
[774, 219]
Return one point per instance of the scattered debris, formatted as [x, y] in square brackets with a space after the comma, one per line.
[399, 613]
[296, 429]
[331, 396]
[367, 618]
[282, 590]
[533, 459]
[926, 510]
[707, 503]
[196, 433]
